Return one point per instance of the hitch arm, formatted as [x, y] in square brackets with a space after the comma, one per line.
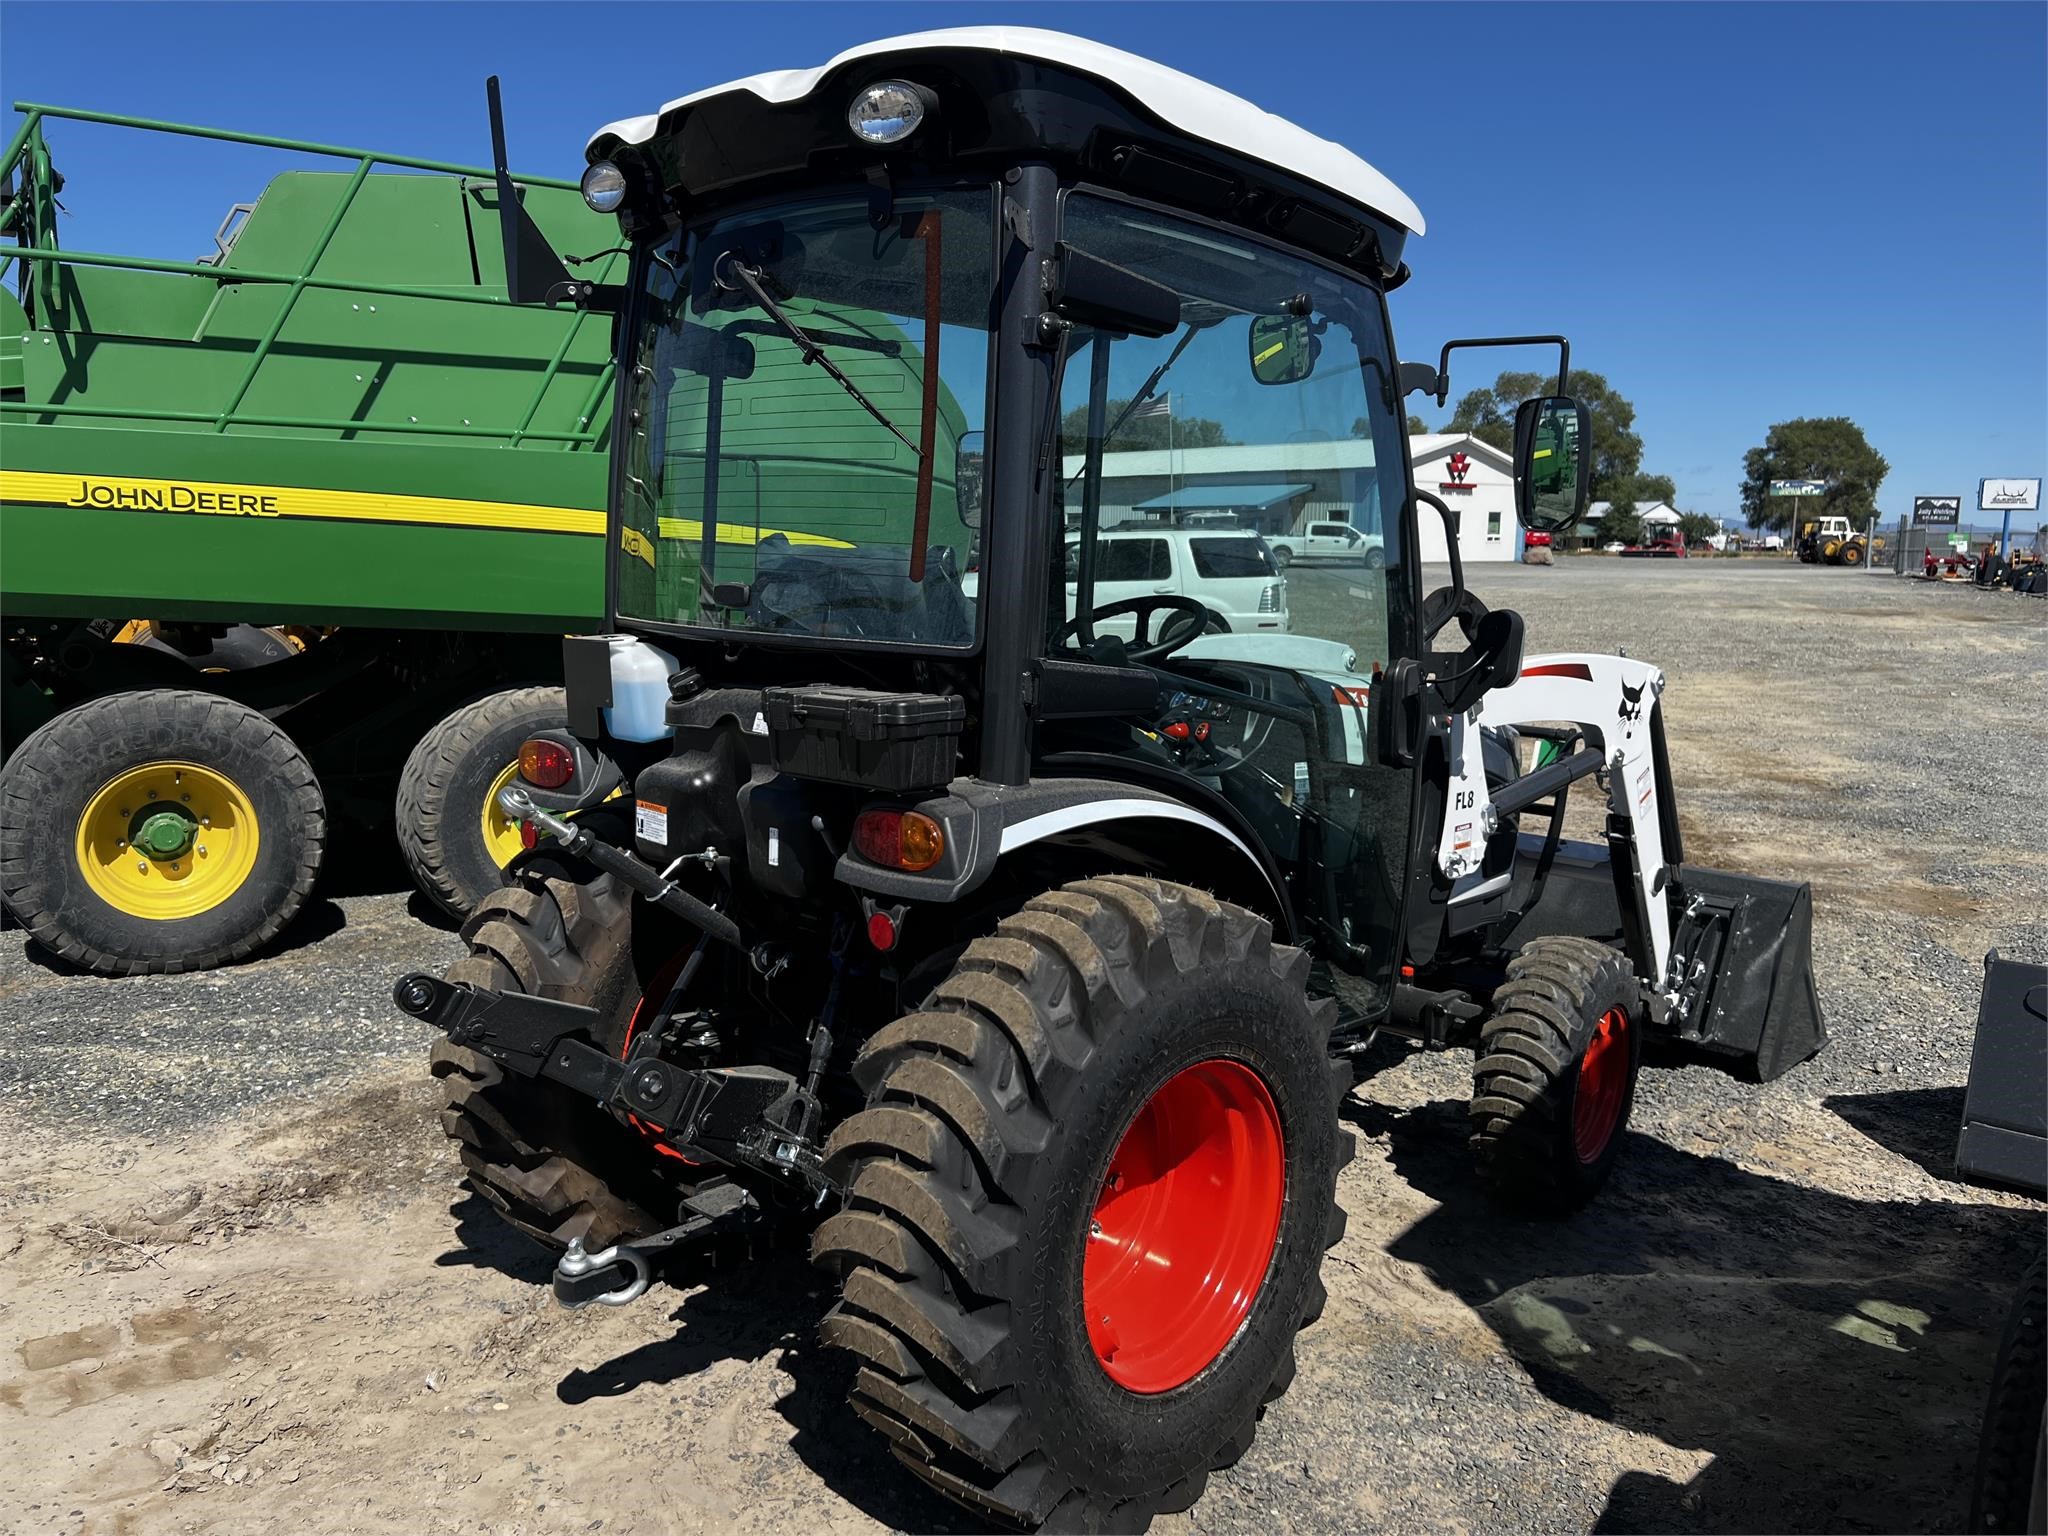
[533, 1036]
[583, 844]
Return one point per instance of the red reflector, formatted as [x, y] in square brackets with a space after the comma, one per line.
[529, 834]
[1407, 973]
[1178, 730]
[546, 764]
[882, 931]
[1202, 731]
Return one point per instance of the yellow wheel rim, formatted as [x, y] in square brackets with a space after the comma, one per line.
[501, 833]
[167, 840]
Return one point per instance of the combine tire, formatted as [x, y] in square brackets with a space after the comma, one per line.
[158, 831]
[1556, 1075]
[1087, 1202]
[455, 840]
[553, 1163]
[2011, 1492]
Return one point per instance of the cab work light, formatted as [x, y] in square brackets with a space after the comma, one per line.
[907, 840]
[887, 112]
[604, 187]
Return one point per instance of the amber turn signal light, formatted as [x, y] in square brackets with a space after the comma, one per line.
[908, 840]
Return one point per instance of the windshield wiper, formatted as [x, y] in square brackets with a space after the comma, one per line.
[750, 279]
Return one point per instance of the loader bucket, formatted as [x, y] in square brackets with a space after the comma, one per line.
[1761, 1016]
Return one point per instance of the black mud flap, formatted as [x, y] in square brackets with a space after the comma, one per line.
[1760, 1016]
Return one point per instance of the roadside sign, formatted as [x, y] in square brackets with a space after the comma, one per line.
[2009, 495]
[1799, 487]
[1959, 541]
[1937, 511]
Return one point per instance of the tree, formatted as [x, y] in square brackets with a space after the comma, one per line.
[1621, 523]
[1417, 427]
[1637, 491]
[1142, 431]
[1489, 415]
[1830, 448]
[1697, 527]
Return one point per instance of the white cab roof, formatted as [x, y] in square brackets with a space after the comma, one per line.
[1193, 106]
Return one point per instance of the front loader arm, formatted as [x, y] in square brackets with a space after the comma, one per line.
[1614, 701]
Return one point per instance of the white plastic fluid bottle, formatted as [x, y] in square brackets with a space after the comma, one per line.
[640, 674]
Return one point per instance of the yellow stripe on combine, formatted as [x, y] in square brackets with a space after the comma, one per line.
[114, 493]
[690, 528]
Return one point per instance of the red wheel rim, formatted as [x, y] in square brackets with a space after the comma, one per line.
[1603, 1084]
[1183, 1232]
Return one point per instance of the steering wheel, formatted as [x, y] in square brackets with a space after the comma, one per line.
[1140, 648]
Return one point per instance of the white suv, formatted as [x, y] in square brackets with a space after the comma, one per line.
[1330, 541]
[1230, 571]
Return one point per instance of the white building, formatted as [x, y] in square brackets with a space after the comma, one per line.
[1658, 514]
[1281, 487]
[1477, 481]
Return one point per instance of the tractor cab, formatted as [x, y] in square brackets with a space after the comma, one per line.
[932, 360]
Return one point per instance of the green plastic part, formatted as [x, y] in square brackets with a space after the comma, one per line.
[164, 834]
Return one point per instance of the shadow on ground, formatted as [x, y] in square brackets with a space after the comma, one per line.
[1832, 1354]
[1919, 1124]
[741, 1300]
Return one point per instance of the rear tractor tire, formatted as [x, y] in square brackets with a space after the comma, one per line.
[552, 1163]
[157, 831]
[1087, 1203]
[1555, 1077]
[455, 839]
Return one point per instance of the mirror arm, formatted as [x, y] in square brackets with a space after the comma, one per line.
[1443, 367]
[1450, 542]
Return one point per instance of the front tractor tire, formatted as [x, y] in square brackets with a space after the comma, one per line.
[158, 831]
[455, 838]
[553, 1164]
[1555, 1077]
[1087, 1203]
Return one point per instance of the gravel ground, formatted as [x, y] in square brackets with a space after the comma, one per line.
[254, 1296]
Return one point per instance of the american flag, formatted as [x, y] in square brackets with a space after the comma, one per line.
[1157, 406]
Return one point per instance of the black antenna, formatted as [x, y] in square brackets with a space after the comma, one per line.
[534, 274]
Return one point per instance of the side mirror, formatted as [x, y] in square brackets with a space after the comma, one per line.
[1283, 349]
[1553, 462]
[967, 477]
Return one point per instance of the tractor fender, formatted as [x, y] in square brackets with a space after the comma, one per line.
[986, 823]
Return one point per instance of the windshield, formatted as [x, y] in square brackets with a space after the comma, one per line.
[805, 447]
[1269, 411]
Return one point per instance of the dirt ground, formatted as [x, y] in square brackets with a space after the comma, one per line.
[242, 1289]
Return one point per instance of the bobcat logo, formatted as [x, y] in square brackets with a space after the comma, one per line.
[1632, 701]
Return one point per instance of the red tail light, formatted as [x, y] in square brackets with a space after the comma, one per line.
[899, 839]
[546, 764]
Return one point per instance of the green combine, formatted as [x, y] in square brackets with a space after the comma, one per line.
[290, 533]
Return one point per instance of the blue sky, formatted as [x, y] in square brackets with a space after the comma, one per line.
[1738, 213]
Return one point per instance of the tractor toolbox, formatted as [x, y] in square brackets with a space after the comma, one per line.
[878, 740]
